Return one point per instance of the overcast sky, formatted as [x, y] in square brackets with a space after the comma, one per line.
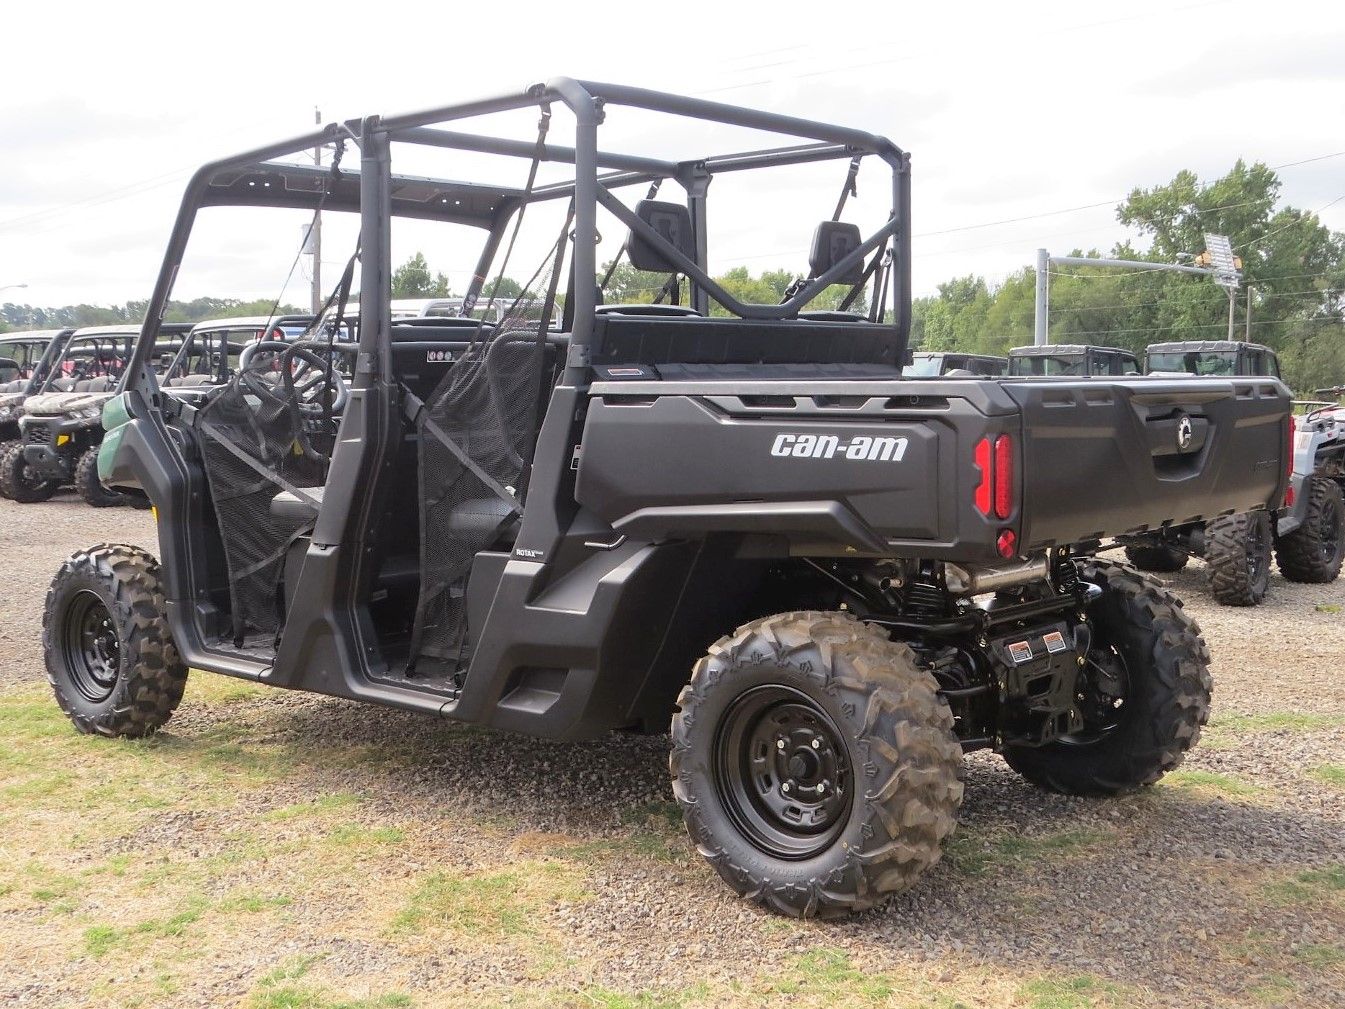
[1027, 110]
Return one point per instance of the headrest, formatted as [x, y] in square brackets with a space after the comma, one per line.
[832, 242]
[673, 222]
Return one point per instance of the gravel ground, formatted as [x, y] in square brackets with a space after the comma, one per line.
[1223, 886]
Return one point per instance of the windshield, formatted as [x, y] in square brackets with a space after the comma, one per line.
[1196, 362]
[1047, 364]
[924, 366]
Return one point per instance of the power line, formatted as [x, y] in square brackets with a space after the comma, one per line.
[1194, 325]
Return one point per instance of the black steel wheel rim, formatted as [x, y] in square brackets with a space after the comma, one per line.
[90, 646]
[1331, 526]
[782, 772]
[1103, 688]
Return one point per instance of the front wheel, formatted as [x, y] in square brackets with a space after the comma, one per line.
[110, 658]
[1145, 688]
[815, 764]
[90, 488]
[1313, 552]
[18, 482]
[1238, 557]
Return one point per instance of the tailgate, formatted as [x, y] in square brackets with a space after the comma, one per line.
[1102, 458]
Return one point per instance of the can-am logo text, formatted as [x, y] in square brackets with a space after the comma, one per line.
[829, 446]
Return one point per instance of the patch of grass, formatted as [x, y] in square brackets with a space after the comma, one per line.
[1210, 781]
[314, 807]
[1292, 720]
[832, 971]
[1332, 774]
[604, 998]
[1309, 886]
[1274, 989]
[352, 835]
[1328, 607]
[1079, 992]
[491, 905]
[1320, 956]
[973, 855]
[251, 903]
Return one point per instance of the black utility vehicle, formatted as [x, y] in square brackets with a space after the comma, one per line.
[1237, 549]
[1212, 358]
[1310, 531]
[931, 364]
[24, 361]
[1073, 360]
[62, 423]
[832, 580]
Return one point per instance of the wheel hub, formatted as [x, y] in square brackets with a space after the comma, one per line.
[783, 772]
[92, 649]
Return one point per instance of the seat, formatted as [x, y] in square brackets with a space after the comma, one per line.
[289, 506]
[479, 520]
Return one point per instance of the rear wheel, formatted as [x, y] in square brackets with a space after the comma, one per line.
[90, 488]
[1238, 556]
[1313, 552]
[110, 659]
[815, 764]
[18, 482]
[1146, 692]
[1163, 560]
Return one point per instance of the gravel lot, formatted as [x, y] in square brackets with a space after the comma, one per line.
[273, 849]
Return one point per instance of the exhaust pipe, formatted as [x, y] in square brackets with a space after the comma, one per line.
[974, 580]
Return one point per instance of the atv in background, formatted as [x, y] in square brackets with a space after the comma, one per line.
[1074, 360]
[1237, 549]
[62, 426]
[1211, 359]
[25, 376]
[1310, 534]
[932, 364]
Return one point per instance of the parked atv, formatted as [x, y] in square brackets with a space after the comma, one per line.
[25, 377]
[1073, 360]
[1310, 535]
[930, 364]
[1237, 549]
[829, 580]
[61, 428]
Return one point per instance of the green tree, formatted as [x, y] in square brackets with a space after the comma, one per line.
[413, 280]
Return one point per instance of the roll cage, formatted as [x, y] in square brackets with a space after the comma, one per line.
[259, 178]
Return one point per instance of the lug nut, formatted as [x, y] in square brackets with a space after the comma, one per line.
[817, 745]
[784, 787]
[779, 744]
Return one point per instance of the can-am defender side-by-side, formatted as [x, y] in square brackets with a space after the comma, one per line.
[1073, 360]
[61, 426]
[935, 363]
[832, 580]
[1237, 549]
[25, 376]
[1310, 534]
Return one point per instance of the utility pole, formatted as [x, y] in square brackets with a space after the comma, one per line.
[1039, 337]
[1248, 314]
[315, 238]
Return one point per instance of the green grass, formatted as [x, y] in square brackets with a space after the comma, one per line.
[1328, 607]
[1320, 956]
[1078, 992]
[1332, 774]
[1293, 720]
[275, 990]
[973, 855]
[358, 835]
[1210, 781]
[314, 807]
[491, 905]
[1274, 990]
[1309, 886]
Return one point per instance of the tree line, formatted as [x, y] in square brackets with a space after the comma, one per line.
[1293, 280]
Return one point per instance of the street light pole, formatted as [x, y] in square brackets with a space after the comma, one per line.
[8, 287]
[316, 236]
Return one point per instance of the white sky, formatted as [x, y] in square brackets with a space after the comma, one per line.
[1009, 111]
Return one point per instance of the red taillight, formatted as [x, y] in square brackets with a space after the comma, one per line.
[995, 488]
[1006, 543]
[1003, 476]
[982, 498]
